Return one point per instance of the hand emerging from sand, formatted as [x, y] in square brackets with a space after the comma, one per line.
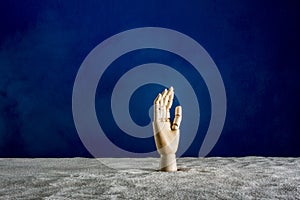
[166, 134]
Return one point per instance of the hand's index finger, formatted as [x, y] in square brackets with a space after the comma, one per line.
[170, 98]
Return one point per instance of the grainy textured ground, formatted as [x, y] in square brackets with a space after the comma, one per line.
[200, 178]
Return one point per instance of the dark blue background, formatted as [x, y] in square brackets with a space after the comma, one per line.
[255, 45]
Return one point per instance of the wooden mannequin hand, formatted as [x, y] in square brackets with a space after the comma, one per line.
[166, 134]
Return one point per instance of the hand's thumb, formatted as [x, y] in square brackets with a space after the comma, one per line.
[177, 119]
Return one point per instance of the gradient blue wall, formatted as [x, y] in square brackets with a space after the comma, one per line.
[255, 45]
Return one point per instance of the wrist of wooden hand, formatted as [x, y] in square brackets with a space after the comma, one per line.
[168, 162]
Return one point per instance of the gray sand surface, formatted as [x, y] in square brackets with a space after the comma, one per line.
[138, 178]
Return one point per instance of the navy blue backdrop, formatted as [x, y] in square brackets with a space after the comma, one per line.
[255, 45]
